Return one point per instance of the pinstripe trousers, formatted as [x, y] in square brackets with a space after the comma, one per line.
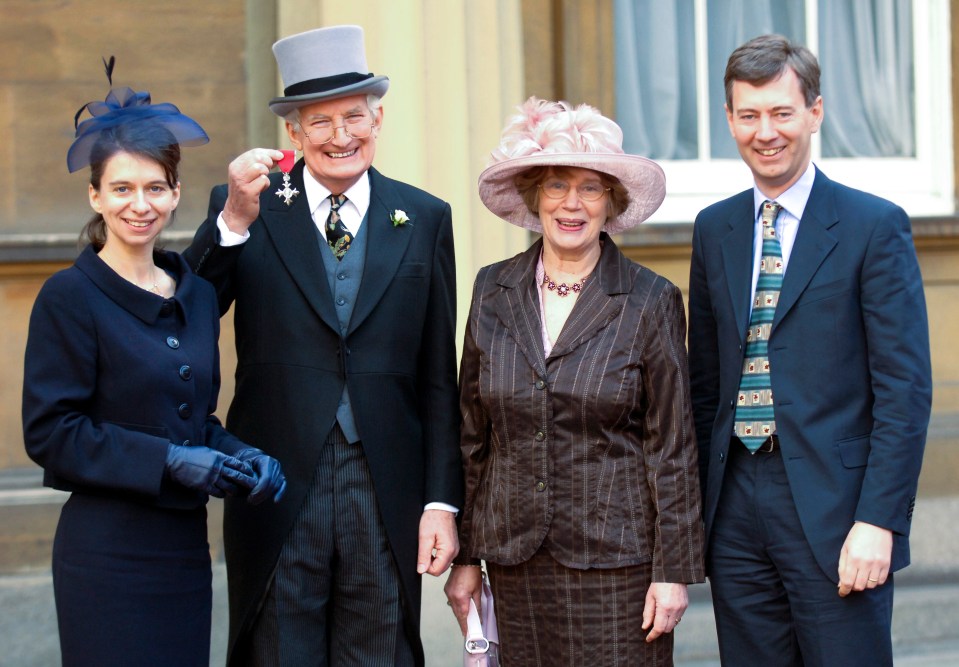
[335, 595]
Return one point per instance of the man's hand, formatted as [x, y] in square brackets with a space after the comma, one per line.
[864, 559]
[439, 542]
[464, 583]
[247, 179]
[665, 606]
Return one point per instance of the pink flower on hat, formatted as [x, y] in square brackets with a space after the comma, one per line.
[556, 127]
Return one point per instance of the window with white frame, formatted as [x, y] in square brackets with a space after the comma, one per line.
[885, 85]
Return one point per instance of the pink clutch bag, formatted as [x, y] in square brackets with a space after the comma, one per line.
[482, 640]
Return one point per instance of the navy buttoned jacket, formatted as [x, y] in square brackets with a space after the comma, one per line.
[113, 374]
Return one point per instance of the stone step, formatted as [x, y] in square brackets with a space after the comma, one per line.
[28, 521]
[924, 629]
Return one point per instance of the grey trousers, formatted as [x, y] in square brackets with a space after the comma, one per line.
[335, 596]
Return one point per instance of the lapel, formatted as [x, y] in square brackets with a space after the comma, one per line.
[385, 245]
[813, 244]
[517, 305]
[293, 232]
[737, 251]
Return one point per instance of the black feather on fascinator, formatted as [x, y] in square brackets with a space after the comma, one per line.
[121, 107]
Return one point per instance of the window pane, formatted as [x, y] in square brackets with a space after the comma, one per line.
[866, 57]
[656, 77]
[865, 52]
[731, 23]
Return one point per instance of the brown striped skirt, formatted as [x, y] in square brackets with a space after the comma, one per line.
[550, 615]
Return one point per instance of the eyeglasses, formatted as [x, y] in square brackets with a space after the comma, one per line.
[588, 191]
[356, 126]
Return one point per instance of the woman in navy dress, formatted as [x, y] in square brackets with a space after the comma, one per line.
[120, 385]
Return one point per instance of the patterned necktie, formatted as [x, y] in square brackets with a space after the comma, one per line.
[337, 235]
[754, 406]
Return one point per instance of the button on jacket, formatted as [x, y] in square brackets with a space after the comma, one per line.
[590, 451]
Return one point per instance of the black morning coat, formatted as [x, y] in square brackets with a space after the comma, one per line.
[398, 358]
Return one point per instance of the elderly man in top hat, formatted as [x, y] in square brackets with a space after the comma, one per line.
[342, 282]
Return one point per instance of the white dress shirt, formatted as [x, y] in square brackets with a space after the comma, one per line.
[352, 211]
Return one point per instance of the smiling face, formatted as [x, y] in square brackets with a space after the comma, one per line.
[773, 130]
[135, 200]
[340, 162]
[571, 225]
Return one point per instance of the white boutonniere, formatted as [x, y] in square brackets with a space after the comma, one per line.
[399, 218]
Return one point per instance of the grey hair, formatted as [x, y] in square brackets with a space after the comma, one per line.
[374, 102]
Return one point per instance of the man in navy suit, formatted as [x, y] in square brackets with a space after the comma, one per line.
[342, 283]
[811, 385]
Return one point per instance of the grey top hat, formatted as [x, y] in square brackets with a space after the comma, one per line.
[323, 64]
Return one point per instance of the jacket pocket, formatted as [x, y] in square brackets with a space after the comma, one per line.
[827, 291]
[146, 429]
[854, 452]
[411, 270]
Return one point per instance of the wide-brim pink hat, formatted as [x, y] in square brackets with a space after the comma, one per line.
[548, 133]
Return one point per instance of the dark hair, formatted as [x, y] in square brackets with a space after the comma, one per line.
[526, 183]
[143, 139]
[765, 58]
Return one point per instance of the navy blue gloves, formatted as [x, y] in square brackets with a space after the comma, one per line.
[209, 471]
[270, 481]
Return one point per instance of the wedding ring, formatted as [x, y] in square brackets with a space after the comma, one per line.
[875, 581]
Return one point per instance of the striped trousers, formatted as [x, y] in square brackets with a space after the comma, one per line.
[335, 595]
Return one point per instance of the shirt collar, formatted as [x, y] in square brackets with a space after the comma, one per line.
[794, 199]
[317, 193]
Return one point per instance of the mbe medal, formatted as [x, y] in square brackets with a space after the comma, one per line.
[286, 164]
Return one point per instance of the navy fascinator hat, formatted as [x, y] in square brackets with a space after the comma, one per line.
[123, 106]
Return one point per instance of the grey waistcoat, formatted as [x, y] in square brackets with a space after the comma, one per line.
[344, 277]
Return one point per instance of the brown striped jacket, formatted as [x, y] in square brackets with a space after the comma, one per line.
[590, 451]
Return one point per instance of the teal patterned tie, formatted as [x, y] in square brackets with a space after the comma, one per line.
[755, 421]
[337, 235]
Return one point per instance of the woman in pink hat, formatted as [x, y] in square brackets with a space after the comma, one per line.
[582, 492]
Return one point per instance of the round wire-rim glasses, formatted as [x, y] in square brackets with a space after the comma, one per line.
[588, 191]
[355, 127]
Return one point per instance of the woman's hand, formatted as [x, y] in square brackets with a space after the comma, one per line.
[464, 582]
[209, 471]
[665, 606]
[270, 481]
